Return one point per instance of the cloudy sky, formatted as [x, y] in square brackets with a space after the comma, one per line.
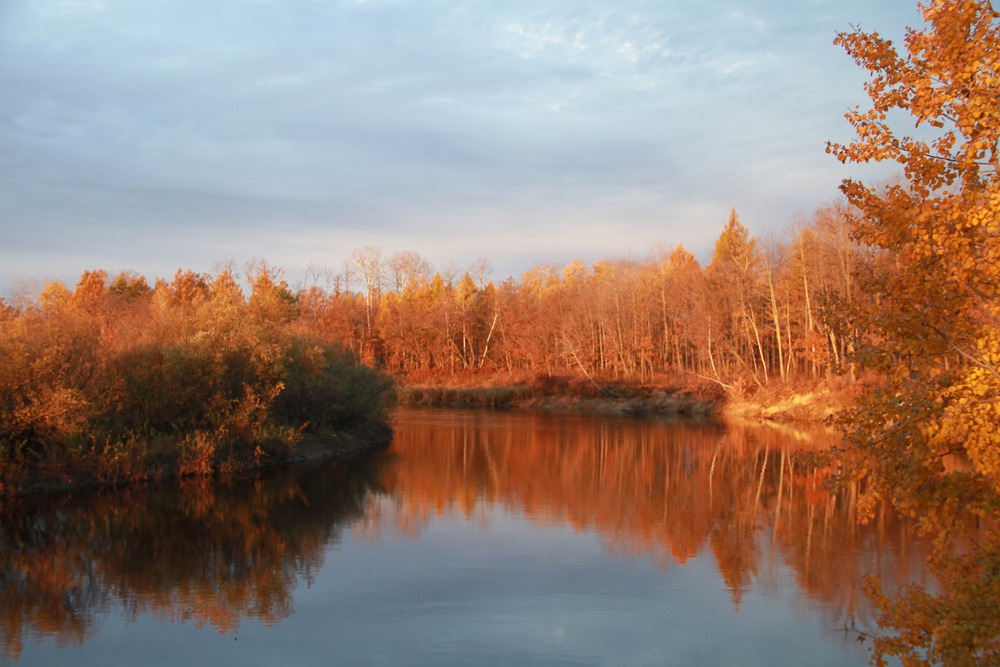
[156, 134]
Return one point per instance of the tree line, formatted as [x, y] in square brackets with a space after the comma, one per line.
[758, 313]
[216, 361]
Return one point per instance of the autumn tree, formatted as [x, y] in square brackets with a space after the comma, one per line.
[836, 261]
[367, 268]
[939, 312]
[681, 297]
[821, 294]
[734, 275]
[406, 269]
[271, 300]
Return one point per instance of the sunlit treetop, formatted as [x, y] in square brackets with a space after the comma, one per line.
[948, 81]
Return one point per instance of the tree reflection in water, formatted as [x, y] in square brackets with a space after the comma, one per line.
[207, 552]
[669, 491]
[213, 554]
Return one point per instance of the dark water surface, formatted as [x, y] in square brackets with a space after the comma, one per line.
[477, 538]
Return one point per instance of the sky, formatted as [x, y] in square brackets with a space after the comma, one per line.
[150, 135]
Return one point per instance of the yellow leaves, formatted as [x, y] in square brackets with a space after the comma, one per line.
[54, 295]
[973, 413]
[941, 227]
[931, 441]
[989, 216]
[947, 80]
[983, 443]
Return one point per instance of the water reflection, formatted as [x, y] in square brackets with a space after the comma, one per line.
[198, 551]
[216, 554]
[667, 491]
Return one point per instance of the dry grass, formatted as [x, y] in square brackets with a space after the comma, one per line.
[566, 393]
[793, 404]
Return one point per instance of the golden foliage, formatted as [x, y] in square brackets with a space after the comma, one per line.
[927, 439]
[117, 381]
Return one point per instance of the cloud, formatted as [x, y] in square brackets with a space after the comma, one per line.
[173, 128]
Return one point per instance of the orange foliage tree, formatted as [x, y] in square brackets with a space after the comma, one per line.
[938, 321]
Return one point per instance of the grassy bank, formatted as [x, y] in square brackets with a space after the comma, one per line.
[167, 460]
[792, 404]
[774, 404]
[561, 393]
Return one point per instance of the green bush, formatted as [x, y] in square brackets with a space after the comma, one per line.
[325, 389]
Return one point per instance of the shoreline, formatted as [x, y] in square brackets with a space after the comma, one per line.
[811, 406]
[778, 407]
[53, 479]
[814, 406]
[652, 403]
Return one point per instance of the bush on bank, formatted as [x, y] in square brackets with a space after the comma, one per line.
[117, 379]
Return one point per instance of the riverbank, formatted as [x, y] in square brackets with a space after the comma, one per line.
[53, 478]
[631, 400]
[784, 404]
[816, 405]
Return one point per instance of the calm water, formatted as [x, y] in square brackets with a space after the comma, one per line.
[478, 538]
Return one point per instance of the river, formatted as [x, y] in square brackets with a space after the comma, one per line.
[482, 538]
